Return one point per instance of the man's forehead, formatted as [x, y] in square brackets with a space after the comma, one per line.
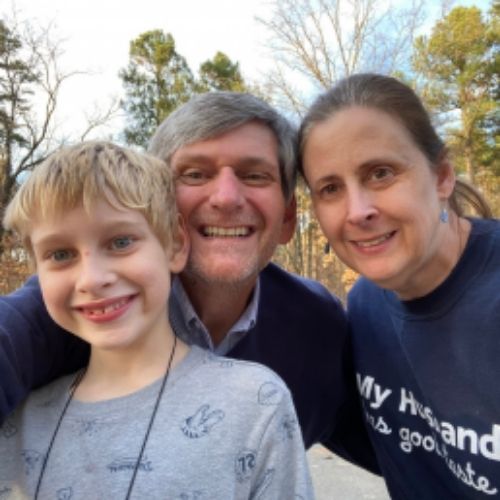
[251, 140]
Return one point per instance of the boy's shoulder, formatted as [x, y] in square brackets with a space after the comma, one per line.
[241, 375]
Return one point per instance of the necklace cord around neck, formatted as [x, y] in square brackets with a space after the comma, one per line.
[73, 388]
[151, 419]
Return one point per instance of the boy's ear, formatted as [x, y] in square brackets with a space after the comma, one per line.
[179, 250]
[289, 222]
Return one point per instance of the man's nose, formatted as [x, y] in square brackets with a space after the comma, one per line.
[227, 191]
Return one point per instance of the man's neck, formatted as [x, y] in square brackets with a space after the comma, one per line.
[218, 305]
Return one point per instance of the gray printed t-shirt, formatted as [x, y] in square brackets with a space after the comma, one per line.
[225, 429]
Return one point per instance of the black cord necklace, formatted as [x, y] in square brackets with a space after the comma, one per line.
[74, 386]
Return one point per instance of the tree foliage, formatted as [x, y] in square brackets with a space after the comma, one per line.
[30, 85]
[220, 73]
[316, 42]
[158, 79]
[459, 65]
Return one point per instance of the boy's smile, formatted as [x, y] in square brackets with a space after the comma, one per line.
[104, 275]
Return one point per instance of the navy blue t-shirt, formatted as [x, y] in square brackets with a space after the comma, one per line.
[428, 371]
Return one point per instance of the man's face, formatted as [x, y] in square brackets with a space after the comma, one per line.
[229, 193]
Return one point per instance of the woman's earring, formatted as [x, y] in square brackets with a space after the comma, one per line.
[443, 216]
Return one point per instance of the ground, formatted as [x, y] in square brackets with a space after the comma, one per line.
[334, 478]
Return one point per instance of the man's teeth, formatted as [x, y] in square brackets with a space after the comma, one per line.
[230, 232]
[372, 243]
[109, 308]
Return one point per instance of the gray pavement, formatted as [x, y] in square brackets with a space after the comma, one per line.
[334, 478]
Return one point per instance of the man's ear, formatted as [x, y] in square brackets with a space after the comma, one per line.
[289, 222]
[445, 175]
[179, 248]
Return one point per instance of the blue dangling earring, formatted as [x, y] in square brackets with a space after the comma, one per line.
[443, 216]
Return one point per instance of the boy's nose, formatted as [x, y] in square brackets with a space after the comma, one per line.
[93, 273]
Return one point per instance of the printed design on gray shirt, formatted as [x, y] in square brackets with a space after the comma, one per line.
[269, 394]
[128, 464]
[193, 495]
[218, 360]
[31, 459]
[244, 464]
[5, 492]
[288, 427]
[8, 429]
[65, 493]
[265, 481]
[87, 427]
[202, 422]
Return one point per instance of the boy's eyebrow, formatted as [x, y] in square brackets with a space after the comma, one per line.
[56, 237]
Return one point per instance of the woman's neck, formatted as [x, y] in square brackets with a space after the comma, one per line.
[448, 252]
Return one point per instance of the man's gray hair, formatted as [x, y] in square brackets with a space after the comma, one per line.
[211, 114]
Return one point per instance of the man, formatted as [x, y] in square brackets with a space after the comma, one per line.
[234, 159]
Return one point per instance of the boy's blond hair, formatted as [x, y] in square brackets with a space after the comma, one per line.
[80, 174]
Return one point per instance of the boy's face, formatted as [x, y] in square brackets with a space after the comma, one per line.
[105, 276]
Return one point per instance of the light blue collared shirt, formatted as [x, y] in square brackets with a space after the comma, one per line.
[189, 328]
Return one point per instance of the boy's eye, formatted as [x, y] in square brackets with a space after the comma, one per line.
[121, 242]
[61, 255]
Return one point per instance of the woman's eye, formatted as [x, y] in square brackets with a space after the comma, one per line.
[121, 242]
[329, 190]
[381, 173]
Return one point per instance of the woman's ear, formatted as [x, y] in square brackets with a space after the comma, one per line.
[179, 248]
[445, 178]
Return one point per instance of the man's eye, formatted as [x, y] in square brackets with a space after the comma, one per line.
[121, 243]
[191, 176]
[256, 178]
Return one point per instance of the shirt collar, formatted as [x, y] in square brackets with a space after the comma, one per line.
[188, 326]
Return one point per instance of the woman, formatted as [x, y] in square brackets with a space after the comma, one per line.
[425, 315]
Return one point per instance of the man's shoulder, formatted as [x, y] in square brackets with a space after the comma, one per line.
[24, 304]
[274, 279]
[297, 302]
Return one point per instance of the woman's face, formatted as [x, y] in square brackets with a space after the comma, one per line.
[378, 201]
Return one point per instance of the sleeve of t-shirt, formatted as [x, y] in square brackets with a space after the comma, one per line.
[282, 469]
[33, 349]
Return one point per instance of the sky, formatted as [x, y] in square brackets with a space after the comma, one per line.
[96, 36]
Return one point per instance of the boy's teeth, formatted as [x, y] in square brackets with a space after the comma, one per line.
[109, 308]
[376, 241]
[225, 232]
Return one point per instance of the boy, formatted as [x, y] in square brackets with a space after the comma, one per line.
[149, 416]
